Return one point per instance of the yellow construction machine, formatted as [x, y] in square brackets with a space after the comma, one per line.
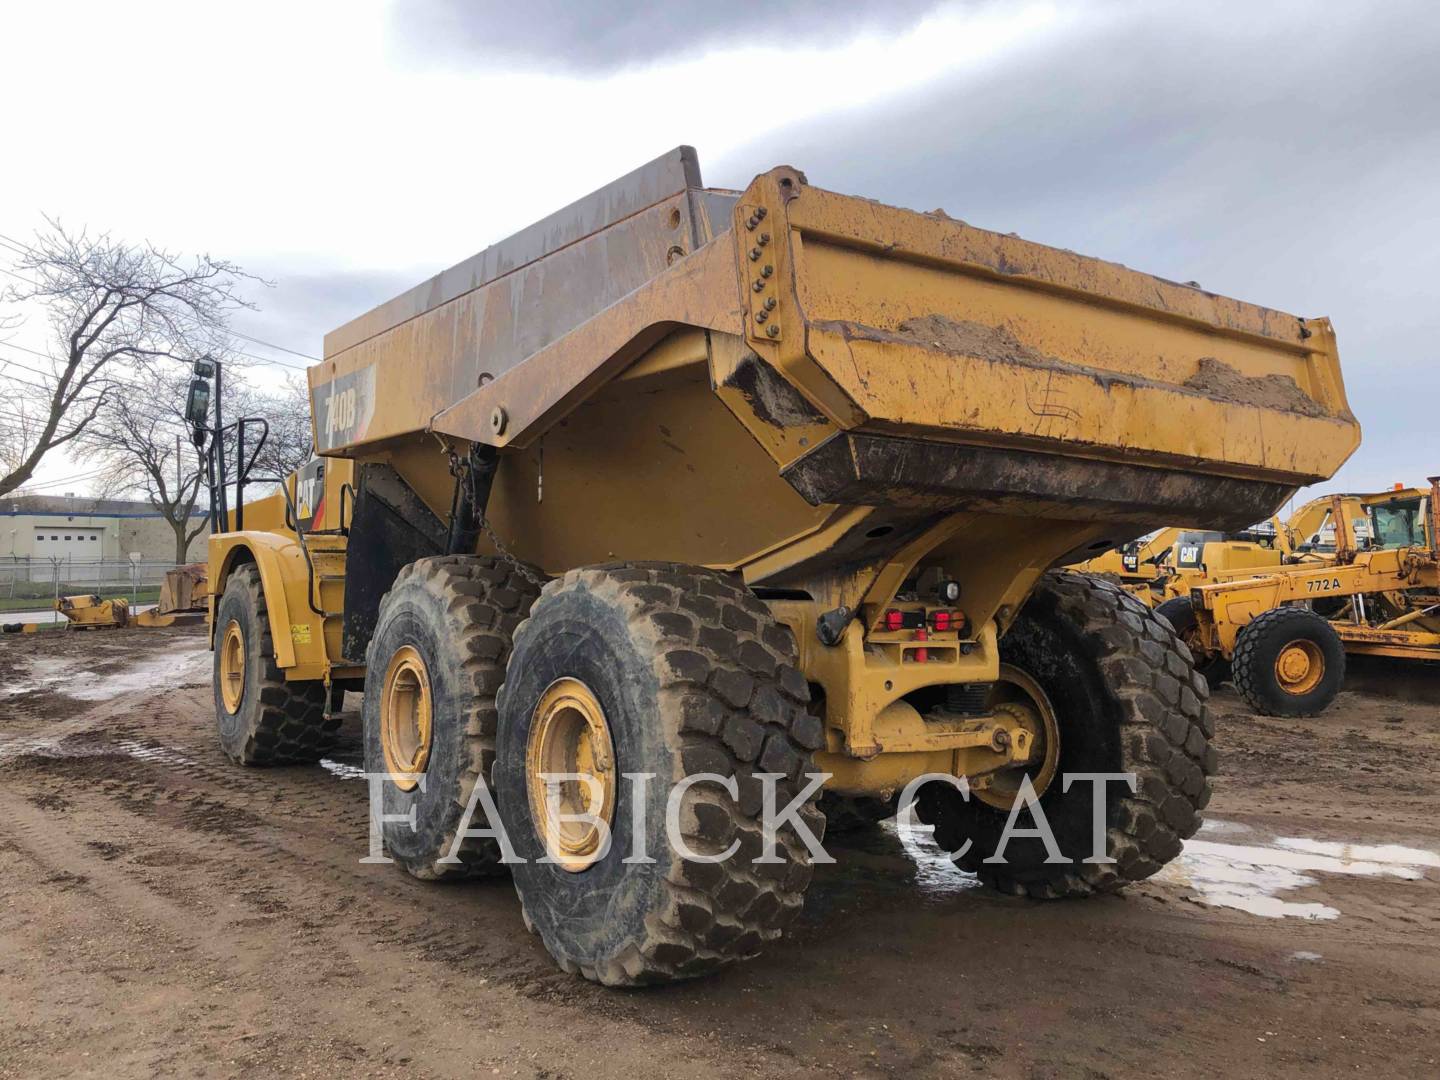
[1137, 562]
[89, 612]
[184, 598]
[1286, 633]
[1167, 563]
[711, 486]
[1175, 562]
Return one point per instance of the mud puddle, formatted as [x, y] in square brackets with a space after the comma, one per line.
[1251, 873]
[936, 875]
[343, 769]
[173, 670]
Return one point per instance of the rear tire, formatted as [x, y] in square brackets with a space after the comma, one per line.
[262, 718]
[1180, 613]
[450, 618]
[692, 675]
[1289, 661]
[1126, 700]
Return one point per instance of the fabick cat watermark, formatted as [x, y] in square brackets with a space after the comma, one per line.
[782, 807]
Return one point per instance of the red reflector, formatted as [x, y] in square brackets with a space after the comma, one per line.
[894, 619]
[942, 620]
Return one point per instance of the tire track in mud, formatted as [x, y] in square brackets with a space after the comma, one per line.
[286, 831]
[243, 888]
[286, 921]
[269, 853]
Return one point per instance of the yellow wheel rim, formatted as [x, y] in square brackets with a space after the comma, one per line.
[232, 667]
[1299, 667]
[406, 718]
[1019, 702]
[569, 736]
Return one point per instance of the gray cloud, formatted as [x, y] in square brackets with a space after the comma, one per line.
[305, 304]
[1292, 164]
[597, 37]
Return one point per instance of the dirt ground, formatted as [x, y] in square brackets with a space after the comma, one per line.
[163, 913]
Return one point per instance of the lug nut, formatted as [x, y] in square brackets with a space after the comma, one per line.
[769, 303]
[766, 270]
[774, 330]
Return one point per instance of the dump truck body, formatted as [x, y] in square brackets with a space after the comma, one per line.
[831, 444]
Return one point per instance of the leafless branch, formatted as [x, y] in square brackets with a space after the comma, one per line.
[119, 314]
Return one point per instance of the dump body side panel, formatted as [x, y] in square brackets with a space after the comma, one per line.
[1059, 384]
[390, 371]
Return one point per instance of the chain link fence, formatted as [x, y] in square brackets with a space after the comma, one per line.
[30, 585]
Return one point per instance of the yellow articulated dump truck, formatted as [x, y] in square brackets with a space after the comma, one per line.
[729, 489]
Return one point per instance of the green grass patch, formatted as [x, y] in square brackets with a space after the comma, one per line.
[46, 601]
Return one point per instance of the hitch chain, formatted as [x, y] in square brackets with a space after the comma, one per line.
[461, 470]
[524, 571]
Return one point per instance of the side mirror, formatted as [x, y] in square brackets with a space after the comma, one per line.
[197, 403]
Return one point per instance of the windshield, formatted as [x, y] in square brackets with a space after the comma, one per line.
[1397, 524]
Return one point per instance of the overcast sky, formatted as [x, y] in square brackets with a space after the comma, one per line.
[1287, 154]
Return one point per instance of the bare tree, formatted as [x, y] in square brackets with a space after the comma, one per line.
[115, 310]
[141, 443]
[286, 409]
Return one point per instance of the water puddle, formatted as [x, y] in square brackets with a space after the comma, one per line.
[43, 675]
[164, 755]
[166, 672]
[936, 876]
[342, 770]
[1251, 876]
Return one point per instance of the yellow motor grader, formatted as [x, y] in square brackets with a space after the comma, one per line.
[1285, 634]
[1164, 569]
[688, 483]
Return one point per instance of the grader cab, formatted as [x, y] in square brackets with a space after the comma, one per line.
[729, 489]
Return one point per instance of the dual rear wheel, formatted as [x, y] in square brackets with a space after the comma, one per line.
[619, 683]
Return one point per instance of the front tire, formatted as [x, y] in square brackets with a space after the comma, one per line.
[1125, 699]
[1289, 661]
[671, 671]
[262, 718]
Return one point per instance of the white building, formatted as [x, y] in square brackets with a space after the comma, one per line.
[47, 529]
